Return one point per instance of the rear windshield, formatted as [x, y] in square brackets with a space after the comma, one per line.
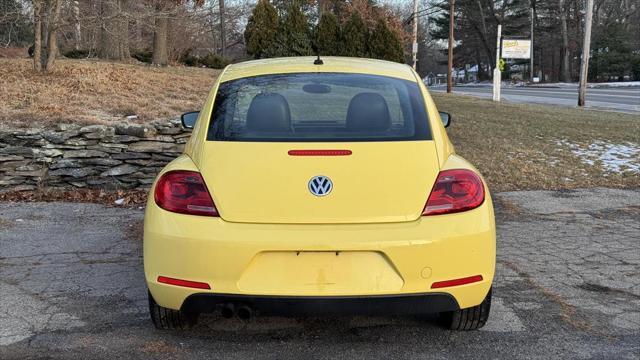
[318, 107]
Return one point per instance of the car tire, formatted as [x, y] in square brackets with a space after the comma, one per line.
[169, 319]
[472, 318]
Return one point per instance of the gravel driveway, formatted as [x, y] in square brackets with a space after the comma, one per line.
[567, 286]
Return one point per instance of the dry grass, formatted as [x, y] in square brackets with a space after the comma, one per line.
[515, 146]
[97, 92]
[131, 198]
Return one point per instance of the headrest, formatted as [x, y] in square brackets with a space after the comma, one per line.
[269, 112]
[368, 111]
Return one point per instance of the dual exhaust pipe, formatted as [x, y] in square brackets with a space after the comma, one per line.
[243, 312]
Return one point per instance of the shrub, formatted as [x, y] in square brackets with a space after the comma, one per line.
[189, 60]
[143, 55]
[78, 54]
[214, 61]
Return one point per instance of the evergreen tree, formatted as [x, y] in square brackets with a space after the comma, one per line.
[261, 30]
[385, 44]
[327, 35]
[293, 36]
[612, 54]
[354, 37]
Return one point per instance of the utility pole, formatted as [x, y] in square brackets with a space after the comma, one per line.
[532, 52]
[414, 49]
[450, 61]
[586, 49]
[497, 75]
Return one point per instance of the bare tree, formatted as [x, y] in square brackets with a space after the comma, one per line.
[76, 20]
[54, 24]
[160, 33]
[46, 43]
[565, 74]
[114, 33]
[37, 31]
[223, 41]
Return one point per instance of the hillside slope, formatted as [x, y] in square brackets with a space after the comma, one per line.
[97, 92]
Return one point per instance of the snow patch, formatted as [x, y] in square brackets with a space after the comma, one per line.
[614, 158]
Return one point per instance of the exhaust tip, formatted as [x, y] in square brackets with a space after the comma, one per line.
[228, 310]
[245, 313]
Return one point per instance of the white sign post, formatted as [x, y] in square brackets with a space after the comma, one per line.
[497, 75]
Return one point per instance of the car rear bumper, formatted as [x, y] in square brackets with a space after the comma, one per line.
[325, 305]
[352, 265]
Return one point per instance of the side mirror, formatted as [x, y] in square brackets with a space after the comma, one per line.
[189, 119]
[446, 118]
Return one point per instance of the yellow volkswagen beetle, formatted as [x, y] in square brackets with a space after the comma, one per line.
[319, 186]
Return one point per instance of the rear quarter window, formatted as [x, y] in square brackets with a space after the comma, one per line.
[321, 107]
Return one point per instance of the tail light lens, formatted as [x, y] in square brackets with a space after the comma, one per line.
[455, 191]
[184, 192]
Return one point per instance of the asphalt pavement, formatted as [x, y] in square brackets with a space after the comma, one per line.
[567, 286]
[622, 99]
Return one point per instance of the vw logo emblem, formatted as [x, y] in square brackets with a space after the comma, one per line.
[320, 185]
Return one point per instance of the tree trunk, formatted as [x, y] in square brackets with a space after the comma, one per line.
[52, 44]
[160, 33]
[114, 34]
[44, 32]
[223, 41]
[123, 33]
[76, 24]
[452, 13]
[553, 66]
[37, 31]
[213, 29]
[565, 75]
[138, 37]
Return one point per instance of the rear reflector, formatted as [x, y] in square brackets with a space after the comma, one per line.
[456, 282]
[320, 152]
[183, 283]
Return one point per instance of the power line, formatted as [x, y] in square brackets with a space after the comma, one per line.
[420, 14]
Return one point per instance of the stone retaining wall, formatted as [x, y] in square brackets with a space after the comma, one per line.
[123, 156]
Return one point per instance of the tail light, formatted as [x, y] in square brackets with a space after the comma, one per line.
[184, 192]
[455, 191]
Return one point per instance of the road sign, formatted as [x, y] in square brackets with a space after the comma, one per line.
[516, 49]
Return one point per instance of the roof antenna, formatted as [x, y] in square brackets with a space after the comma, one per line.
[314, 48]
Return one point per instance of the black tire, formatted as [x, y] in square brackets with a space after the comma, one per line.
[169, 319]
[472, 318]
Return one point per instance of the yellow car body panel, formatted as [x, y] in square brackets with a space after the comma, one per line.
[220, 253]
[377, 183]
[343, 247]
[306, 64]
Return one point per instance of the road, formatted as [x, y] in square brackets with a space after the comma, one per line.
[567, 286]
[615, 99]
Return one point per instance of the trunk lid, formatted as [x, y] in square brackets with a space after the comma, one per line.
[259, 182]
